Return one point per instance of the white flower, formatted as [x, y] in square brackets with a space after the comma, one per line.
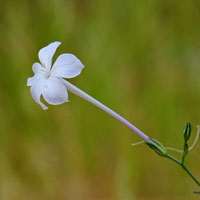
[48, 80]
[50, 83]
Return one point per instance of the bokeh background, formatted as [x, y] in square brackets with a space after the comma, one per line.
[142, 59]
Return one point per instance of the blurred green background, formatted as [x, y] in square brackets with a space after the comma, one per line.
[142, 59]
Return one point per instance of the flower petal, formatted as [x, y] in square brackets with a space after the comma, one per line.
[36, 91]
[37, 68]
[31, 81]
[40, 73]
[46, 54]
[67, 66]
[55, 92]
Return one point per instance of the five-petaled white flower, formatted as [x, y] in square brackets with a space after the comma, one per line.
[48, 80]
[50, 83]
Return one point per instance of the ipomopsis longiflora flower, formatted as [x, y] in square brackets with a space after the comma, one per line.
[49, 81]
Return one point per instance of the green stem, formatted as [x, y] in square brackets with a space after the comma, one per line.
[162, 151]
[183, 167]
[173, 159]
[190, 174]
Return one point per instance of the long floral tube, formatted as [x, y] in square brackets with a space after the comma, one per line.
[90, 99]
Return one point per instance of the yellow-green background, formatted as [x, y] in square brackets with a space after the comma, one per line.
[142, 59]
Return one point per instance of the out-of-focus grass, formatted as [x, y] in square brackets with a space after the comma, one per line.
[142, 59]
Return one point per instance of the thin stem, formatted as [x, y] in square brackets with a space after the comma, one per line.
[173, 159]
[190, 174]
[90, 99]
[183, 167]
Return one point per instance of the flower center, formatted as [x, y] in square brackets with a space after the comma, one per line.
[48, 74]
